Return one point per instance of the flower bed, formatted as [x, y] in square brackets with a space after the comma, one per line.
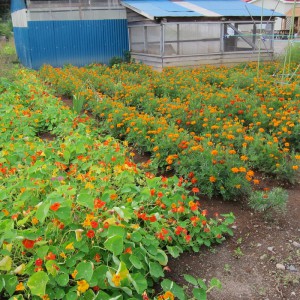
[213, 126]
[78, 219]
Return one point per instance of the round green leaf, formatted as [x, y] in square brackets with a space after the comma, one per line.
[62, 279]
[37, 283]
[114, 244]
[85, 271]
[135, 261]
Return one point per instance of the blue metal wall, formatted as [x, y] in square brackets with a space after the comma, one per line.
[22, 46]
[59, 43]
[76, 42]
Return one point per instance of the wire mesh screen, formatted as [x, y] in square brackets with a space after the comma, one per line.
[72, 3]
[171, 39]
[190, 39]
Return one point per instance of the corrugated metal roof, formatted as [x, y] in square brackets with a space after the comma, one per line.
[197, 8]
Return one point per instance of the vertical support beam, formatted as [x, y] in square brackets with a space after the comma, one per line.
[222, 36]
[145, 40]
[162, 40]
[254, 35]
[178, 38]
[129, 39]
[272, 37]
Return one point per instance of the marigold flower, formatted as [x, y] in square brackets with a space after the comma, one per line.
[214, 152]
[295, 167]
[235, 170]
[212, 179]
[82, 286]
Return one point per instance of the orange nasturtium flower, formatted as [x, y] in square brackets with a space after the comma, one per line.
[20, 287]
[55, 206]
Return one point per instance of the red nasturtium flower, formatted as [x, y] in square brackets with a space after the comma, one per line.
[98, 203]
[94, 224]
[90, 234]
[55, 206]
[50, 256]
[28, 244]
[39, 262]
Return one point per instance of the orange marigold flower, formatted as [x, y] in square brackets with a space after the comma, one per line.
[212, 179]
[235, 170]
[214, 152]
[295, 167]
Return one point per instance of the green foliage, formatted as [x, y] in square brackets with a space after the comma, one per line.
[293, 52]
[78, 103]
[79, 219]
[6, 29]
[271, 202]
[115, 61]
[199, 290]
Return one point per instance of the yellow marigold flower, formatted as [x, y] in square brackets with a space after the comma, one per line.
[297, 157]
[20, 287]
[82, 286]
[63, 255]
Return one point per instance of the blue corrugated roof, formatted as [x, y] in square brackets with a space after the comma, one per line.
[197, 8]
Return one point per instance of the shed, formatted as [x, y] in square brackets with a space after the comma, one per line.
[59, 32]
[188, 33]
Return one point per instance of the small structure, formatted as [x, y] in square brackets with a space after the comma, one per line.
[187, 33]
[290, 9]
[158, 32]
[59, 32]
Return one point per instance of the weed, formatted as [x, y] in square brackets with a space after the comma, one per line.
[271, 203]
[238, 253]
